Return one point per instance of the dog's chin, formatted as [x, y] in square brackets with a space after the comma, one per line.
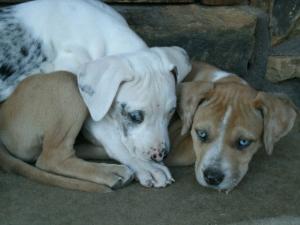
[226, 186]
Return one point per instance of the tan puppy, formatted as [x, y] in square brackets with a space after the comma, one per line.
[39, 123]
[224, 122]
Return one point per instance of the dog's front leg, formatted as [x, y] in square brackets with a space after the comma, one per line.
[58, 156]
[148, 173]
[114, 176]
[89, 151]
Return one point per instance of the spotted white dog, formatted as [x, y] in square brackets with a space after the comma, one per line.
[129, 88]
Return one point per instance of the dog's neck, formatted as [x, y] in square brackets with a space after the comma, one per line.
[204, 72]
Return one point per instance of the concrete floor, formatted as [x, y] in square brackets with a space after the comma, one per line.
[269, 194]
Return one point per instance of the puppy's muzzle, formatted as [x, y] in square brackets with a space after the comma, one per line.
[213, 176]
[159, 155]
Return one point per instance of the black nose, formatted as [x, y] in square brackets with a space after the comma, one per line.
[213, 176]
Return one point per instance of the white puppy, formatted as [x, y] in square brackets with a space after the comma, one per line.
[128, 87]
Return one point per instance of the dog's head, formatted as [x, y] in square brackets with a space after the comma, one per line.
[136, 92]
[229, 121]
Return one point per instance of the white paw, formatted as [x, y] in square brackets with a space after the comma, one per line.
[152, 174]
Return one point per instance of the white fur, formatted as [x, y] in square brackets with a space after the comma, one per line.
[219, 74]
[77, 31]
[79, 36]
[150, 93]
[213, 154]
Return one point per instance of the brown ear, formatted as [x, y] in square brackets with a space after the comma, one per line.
[279, 115]
[190, 94]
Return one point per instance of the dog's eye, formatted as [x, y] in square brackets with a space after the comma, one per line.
[243, 143]
[136, 116]
[202, 135]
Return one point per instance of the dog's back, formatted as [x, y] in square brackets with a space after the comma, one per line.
[45, 36]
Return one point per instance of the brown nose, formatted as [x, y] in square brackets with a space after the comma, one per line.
[159, 156]
[213, 176]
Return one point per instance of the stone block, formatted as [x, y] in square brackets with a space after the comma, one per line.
[280, 68]
[264, 5]
[284, 18]
[284, 61]
[223, 36]
[222, 2]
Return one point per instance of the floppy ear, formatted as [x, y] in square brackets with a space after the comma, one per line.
[99, 82]
[279, 115]
[176, 60]
[190, 95]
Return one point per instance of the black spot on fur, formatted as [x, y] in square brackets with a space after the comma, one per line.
[38, 46]
[123, 110]
[127, 125]
[44, 59]
[125, 130]
[6, 70]
[87, 89]
[24, 51]
[21, 54]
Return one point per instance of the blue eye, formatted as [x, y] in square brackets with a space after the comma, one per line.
[136, 116]
[202, 135]
[243, 143]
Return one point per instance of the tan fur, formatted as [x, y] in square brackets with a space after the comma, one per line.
[180, 142]
[203, 72]
[257, 116]
[39, 123]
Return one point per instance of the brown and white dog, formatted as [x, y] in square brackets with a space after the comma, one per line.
[224, 122]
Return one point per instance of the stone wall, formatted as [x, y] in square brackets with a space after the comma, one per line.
[284, 16]
[222, 36]
[256, 42]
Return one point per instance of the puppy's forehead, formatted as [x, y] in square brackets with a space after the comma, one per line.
[233, 92]
[156, 90]
[237, 96]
